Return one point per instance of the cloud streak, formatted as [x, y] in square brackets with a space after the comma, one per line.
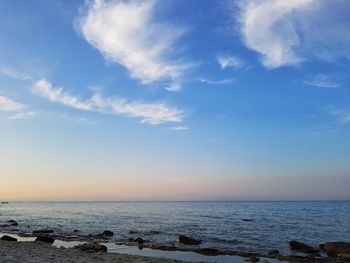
[7, 104]
[230, 62]
[125, 32]
[152, 113]
[290, 32]
[321, 81]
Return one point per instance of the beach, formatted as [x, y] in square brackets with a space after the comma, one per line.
[35, 252]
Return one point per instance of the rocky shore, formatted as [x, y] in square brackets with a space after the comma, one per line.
[92, 250]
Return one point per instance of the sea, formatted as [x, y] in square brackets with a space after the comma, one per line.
[240, 226]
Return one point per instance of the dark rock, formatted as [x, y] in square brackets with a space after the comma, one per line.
[108, 233]
[208, 251]
[254, 259]
[11, 221]
[163, 247]
[273, 252]
[247, 220]
[301, 247]
[140, 240]
[8, 238]
[131, 239]
[337, 249]
[92, 247]
[75, 231]
[188, 240]
[43, 231]
[4, 225]
[45, 239]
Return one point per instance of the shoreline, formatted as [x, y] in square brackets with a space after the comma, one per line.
[27, 248]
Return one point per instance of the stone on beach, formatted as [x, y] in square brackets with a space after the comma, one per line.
[302, 247]
[12, 222]
[108, 233]
[8, 238]
[337, 249]
[92, 247]
[43, 231]
[45, 239]
[188, 240]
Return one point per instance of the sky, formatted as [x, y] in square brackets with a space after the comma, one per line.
[174, 100]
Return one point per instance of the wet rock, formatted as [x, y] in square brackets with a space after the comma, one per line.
[43, 231]
[208, 251]
[337, 249]
[247, 219]
[75, 231]
[273, 252]
[188, 240]
[108, 233]
[302, 247]
[131, 239]
[12, 222]
[254, 259]
[140, 240]
[45, 239]
[8, 238]
[163, 247]
[92, 247]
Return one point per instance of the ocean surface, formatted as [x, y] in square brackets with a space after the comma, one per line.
[243, 226]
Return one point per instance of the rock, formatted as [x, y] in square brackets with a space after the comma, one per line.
[43, 231]
[108, 233]
[254, 259]
[140, 240]
[75, 231]
[92, 247]
[301, 247]
[247, 220]
[273, 252]
[131, 239]
[12, 222]
[337, 249]
[208, 251]
[4, 225]
[188, 240]
[45, 239]
[8, 238]
[163, 247]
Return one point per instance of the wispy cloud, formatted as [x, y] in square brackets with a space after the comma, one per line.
[13, 73]
[7, 104]
[23, 116]
[217, 82]
[342, 115]
[230, 62]
[322, 81]
[152, 113]
[126, 32]
[290, 32]
[179, 128]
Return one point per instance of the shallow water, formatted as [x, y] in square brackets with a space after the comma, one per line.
[246, 226]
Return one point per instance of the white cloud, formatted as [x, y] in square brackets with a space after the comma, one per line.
[126, 32]
[342, 115]
[6, 104]
[13, 73]
[230, 62]
[152, 113]
[23, 115]
[174, 87]
[290, 32]
[217, 82]
[179, 128]
[322, 81]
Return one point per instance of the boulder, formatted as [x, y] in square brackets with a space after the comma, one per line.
[140, 240]
[45, 239]
[8, 238]
[302, 247]
[43, 231]
[188, 240]
[273, 252]
[208, 251]
[108, 233]
[337, 249]
[92, 247]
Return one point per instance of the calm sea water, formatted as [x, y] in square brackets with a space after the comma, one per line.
[247, 226]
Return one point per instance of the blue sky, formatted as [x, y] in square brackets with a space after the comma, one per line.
[174, 100]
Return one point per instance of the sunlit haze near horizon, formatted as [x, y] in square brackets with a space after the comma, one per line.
[174, 100]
